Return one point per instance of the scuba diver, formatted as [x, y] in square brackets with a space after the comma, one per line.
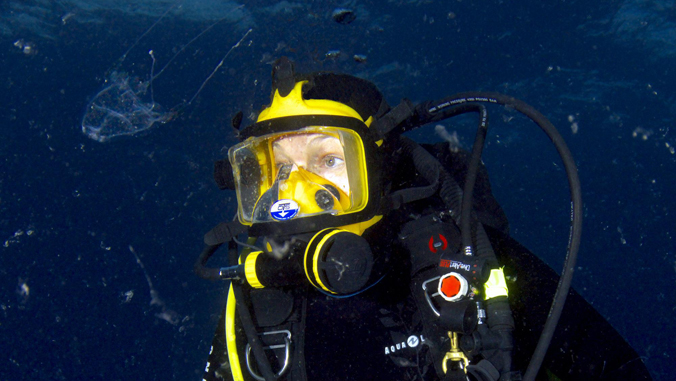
[359, 254]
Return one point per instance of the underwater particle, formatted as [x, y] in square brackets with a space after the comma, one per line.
[126, 296]
[28, 48]
[332, 54]
[450, 15]
[280, 250]
[165, 313]
[23, 291]
[452, 139]
[360, 58]
[67, 17]
[573, 124]
[343, 16]
[622, 239]
[641, 133]
[16, 237]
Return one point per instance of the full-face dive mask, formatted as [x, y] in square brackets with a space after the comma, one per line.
[306, 178]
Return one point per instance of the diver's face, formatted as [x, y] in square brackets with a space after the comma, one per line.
[320, 154]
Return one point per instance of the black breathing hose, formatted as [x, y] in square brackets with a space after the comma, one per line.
[470, 180]
[459, 201]
[200, 268]
[434, 111]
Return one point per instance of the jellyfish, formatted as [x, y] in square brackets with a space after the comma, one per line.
[122, 107]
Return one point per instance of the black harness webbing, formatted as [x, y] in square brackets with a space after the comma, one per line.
[224, 232]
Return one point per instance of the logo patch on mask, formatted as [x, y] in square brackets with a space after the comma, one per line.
[283, 210]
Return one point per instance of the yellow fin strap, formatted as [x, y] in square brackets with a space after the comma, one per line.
[250, 270]
[496, 284]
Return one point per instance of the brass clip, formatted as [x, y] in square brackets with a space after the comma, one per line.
[455, 354]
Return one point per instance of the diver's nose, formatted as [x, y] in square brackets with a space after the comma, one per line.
[285, 170]
[291, 167]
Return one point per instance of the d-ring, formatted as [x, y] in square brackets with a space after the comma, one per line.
[287, 354]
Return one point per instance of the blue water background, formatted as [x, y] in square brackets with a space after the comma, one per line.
[74, 302]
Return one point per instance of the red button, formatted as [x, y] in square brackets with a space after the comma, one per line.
[450, 286]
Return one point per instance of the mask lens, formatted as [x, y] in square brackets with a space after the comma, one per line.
[322, 169]
[321, 154]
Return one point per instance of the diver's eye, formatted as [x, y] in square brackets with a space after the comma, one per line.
[332, 161]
